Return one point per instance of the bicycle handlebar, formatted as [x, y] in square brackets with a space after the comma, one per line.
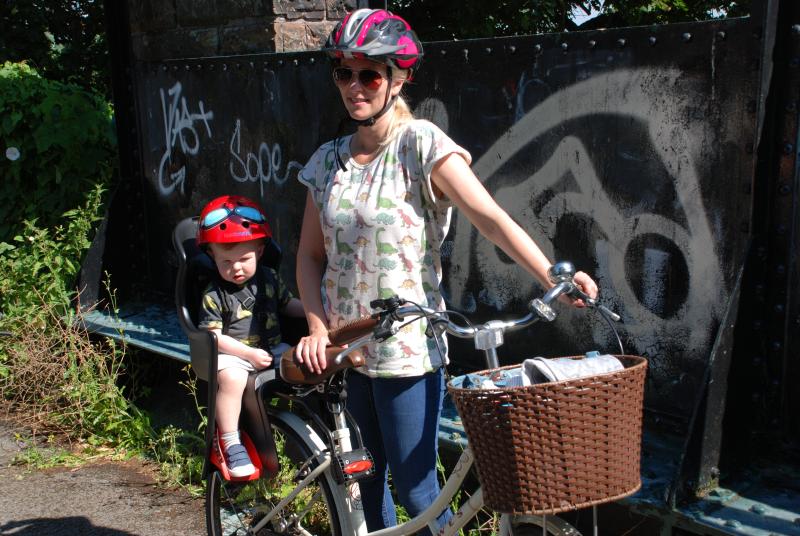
[488, 336]
[378, 327]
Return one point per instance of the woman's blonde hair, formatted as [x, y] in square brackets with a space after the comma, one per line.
[401, 115]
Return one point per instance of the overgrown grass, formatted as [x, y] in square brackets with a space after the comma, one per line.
[62, 382]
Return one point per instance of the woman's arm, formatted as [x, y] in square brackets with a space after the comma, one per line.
[454, 178]
[294, 309]
[310, 261]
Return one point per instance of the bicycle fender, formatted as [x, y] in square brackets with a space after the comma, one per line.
[347, 497]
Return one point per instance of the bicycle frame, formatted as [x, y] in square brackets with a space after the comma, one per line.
[487, 338]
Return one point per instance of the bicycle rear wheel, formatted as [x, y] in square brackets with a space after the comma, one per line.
[233, 508]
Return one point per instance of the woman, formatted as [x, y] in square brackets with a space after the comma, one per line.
[377, 211]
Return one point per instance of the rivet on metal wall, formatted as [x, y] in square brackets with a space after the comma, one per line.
[186, 67]
[788, 148]
[488, 50]
[224, 66]
[252, 65]
[592, 43]
[238, 65]
[778, 308]
[686, 37]
[163, 67]
[795, 30]
[564, 46]
[443, 52]
[776, 345]
[652, 40]
[721, 35]
[784, 189]
[512, 49]
[621, 42]
[537, 48]
[199, 66]
[210, 66]
[465, 54]
[174, 67]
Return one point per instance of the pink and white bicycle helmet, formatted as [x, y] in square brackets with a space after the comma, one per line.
[378, 35]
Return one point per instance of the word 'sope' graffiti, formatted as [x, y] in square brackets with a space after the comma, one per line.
[262, 167]
[179, 126]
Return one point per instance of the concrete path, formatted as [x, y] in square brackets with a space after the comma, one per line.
[118, 498]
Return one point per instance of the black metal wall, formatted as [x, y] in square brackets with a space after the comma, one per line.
[627, 151]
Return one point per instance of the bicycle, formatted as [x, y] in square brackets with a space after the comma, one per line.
[306, 415]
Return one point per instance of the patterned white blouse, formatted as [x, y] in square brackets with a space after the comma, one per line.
[383, 228]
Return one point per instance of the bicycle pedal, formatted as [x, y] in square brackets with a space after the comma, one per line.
[353, 466]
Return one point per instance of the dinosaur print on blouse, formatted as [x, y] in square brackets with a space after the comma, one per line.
[382, 228]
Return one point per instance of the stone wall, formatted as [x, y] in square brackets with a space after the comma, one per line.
[162, 29]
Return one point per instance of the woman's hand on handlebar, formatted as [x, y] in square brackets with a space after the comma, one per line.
[586, 285]
[310, 351]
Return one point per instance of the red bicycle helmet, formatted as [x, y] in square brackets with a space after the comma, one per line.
[231, 218]
[376, 34]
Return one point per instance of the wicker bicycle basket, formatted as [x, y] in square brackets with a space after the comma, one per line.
[552, 447]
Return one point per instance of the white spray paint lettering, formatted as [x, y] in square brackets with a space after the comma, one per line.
[263, 167]
[179, 127]
[504, 282]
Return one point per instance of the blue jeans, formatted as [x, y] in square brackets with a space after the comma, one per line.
[399, 423]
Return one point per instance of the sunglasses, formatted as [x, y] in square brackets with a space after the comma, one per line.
[368, 78]
[217, 216]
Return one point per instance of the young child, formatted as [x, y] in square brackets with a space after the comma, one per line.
[241, 307]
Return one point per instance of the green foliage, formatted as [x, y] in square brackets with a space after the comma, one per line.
[64, 39]
[465, 19]
[58, 143]
[40, 265]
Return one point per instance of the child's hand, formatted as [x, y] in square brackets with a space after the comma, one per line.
[259, 358]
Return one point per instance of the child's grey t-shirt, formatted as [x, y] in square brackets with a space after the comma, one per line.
[253, 321]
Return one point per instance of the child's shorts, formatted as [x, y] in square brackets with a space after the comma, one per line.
[227, 361]
[231, 361]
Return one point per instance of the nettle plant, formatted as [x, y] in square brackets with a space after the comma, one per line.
[57, 154]
[56, 142]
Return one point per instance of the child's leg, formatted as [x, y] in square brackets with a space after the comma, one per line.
[231, 385]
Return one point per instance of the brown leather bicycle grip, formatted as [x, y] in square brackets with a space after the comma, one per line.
[352, 330]
[292, 372]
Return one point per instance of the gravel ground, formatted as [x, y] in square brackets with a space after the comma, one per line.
[106, 498]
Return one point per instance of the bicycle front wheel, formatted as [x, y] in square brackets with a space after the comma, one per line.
[235, 508]
[533, 525]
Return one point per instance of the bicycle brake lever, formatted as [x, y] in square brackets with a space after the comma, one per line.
[591, 302]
